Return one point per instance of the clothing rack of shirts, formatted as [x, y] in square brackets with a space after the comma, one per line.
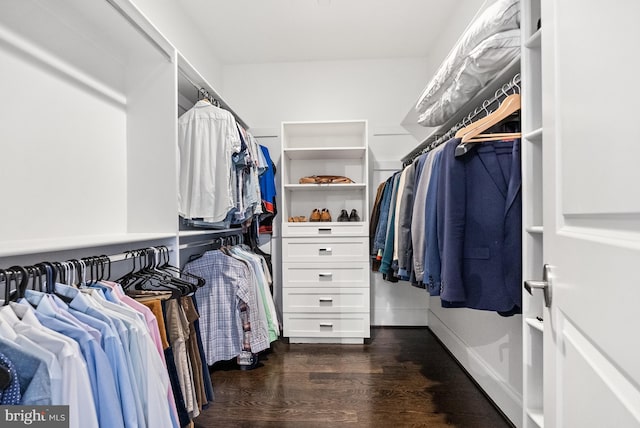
[120, 353]
[481, 110]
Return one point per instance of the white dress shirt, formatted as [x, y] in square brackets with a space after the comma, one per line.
[207, 138]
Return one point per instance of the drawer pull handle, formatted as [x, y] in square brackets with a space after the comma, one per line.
[324, 229]
[325, 275]
[326, 324]
[325, 250]
[326, 300]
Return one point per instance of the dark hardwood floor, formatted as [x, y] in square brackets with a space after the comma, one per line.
[402, 378]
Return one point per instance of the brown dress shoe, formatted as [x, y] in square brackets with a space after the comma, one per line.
[315, 215]
[325, 215]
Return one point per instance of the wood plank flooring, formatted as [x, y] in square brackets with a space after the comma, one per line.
[402, 378]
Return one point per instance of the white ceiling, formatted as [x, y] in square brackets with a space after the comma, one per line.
[257, 31]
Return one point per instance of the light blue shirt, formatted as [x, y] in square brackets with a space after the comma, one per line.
[113, 349]
[82, 309]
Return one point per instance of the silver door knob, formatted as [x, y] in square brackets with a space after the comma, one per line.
[543, 285]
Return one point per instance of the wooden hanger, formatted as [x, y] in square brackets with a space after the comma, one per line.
[474, 133]
[510, 105]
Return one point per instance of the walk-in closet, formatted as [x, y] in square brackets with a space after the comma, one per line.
[319, 213]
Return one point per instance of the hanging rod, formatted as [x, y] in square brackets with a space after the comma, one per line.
[510, 87]
[216, 102]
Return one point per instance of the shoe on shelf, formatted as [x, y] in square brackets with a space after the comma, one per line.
[354, 215]
[292, 219]
[315, 215]
[325, 215]
[343, 216]
[301, 219]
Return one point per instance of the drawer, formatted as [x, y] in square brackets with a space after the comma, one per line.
[321, 275]
[326, 300]
[325, 229]
[326, 325]
[332, 250]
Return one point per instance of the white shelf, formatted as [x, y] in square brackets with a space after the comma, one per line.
[535, 323]
[325, 153]
[17, 248]
[345, 186]
[537, 416]
[535, 229]
[534, 136]
[534, 40]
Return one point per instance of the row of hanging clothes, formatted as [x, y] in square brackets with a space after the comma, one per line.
[225, 177]
[237, 310]
[121, 353]
[451, 220]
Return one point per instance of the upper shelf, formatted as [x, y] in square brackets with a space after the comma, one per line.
[13, 248]
[94, 43]
[325, 153]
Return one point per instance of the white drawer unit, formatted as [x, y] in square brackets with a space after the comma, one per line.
[323, 275]
[325, 265]
[342, 249]
[331, 300]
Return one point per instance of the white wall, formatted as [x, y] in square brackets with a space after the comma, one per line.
[177, 27]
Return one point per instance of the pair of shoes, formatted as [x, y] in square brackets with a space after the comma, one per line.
[315, 215]
[346, 217]
[318, 215]
[300, 219]
[325, 215]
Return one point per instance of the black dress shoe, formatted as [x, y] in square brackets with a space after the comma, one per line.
[343, 216]
[354, 216]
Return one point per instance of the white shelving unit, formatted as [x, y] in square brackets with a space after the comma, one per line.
[533, 228]
[91, 96]
[325, 264]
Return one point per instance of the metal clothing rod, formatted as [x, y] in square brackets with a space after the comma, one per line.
[217, 240]
[202, 91]
[127, 255]
[511, 87]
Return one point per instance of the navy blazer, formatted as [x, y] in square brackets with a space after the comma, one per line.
[479, 215]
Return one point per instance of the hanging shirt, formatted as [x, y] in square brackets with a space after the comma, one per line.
[76, 387]
[228, 284]
[268, 183]
[10, 396]
[82, 303]
[207, 138]
[100, 371]
[149, 371]
[33, 376]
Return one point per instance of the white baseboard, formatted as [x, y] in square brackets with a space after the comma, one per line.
[399, 317]
[503, 395]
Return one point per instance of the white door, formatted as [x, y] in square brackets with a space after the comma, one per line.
[591, 145]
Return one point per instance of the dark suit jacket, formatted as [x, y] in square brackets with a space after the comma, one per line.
[480, 226]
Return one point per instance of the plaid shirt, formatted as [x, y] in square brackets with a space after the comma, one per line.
[228, 287]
